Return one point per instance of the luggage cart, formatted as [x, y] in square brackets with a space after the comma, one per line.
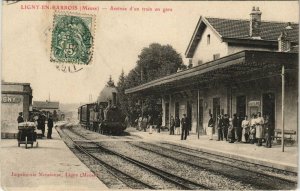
[26, 134]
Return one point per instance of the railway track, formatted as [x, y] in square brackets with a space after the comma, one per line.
[126, 179]
[241, 171]
[264, 170]
[259, 179]
[181, 183]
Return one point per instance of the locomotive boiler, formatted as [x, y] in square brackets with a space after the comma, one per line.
[103, 116]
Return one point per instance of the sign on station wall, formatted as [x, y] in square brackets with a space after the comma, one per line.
[254, 103]
[10, 99]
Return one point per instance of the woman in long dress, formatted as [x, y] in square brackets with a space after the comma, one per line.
[246, 129]
[259, 128]
[210, 127]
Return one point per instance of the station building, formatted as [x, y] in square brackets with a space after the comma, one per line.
[15, 98]
[47, 106]
[238, 66]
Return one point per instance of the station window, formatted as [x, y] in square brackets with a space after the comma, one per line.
[208, 39]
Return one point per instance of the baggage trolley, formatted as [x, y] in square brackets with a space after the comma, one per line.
[26, 134]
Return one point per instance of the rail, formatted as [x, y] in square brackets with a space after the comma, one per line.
[123, 177]
[181, 182]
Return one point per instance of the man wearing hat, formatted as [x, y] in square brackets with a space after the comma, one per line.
[184, 126]
[20, 118]
[50, 126]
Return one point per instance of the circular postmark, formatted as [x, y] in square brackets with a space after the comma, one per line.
[72, 41]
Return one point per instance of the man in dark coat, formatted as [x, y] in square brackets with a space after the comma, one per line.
[235, 126]
[20, 118]
[159, 123]
[220, 127]
[239, 128]
[41, 124]
[50, 126]
[225, 126]
[184, 126]
[172, 125]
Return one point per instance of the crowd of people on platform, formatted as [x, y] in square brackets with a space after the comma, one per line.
[242, 129]
[257, 129]
[148, 122]
[40, 122]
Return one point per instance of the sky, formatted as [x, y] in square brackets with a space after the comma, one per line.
[119, 38]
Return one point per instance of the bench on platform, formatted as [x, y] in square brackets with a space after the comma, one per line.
[288, 139]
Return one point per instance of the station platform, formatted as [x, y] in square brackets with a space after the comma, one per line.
[272, 157]
[50, 166]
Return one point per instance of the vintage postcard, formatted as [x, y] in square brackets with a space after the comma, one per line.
[160, 95]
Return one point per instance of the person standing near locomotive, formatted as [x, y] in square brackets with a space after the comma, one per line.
[50, 126]
[184, 126]
[20, 118]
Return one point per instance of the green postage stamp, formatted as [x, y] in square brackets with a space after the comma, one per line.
[72, 38]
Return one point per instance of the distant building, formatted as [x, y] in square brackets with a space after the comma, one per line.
[15, 98]
[48, 106]
[238, 66]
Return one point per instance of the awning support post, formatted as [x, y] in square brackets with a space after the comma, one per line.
[142, 108]
[198, 111]
[282, 106]
[231, 101]
[170, 100]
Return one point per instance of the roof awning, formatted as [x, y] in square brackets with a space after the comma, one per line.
[245, 64]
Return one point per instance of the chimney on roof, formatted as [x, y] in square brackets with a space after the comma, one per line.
[284, 44]
[255, 22]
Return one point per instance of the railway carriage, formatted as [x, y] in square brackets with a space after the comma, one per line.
[85, 115]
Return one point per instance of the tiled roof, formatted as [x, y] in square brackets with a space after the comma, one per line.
[45, 105]
[239, 29]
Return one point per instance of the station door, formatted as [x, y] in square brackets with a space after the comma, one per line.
[269, 107]
[241, 106]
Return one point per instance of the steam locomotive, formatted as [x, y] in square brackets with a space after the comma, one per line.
[103, 116]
